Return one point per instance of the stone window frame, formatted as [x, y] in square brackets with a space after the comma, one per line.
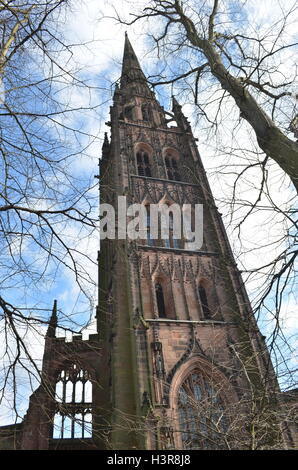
[73, 406]
[219, 380]
[144, 159]
[167, 295]
[171, 161]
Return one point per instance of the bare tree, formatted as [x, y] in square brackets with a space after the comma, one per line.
[241, 68]
[47, 206]
[240, 80]
[203, 415]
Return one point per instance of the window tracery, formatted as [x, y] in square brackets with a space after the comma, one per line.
[143, 163]
[73, 395]
[201, 413]
[172, 167]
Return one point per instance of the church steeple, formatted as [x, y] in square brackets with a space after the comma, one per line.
[176, 339]
[51, 333]
[132, 73]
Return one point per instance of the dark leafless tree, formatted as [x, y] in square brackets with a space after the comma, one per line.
[46, 207]
[240, 80]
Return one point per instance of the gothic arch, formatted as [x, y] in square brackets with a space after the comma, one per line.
[198, 397]
[170, 150]
[165, 292]
[208, 369]
[144, 159]
[143, 145]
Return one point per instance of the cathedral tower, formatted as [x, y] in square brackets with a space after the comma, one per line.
[178, 361]
[180, 341]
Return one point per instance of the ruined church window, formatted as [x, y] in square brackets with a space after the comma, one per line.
[201, 413]
[73, 395]
[160, 300]
[143, 163]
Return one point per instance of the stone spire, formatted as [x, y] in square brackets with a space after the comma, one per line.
[106, 143]
[51, 333]
[132, 73]
[175, 104]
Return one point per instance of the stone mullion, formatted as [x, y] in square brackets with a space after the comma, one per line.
[169, 279]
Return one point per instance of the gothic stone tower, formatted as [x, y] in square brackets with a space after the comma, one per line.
[178, 361]
[186, 362]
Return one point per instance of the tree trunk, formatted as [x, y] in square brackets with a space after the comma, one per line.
[271, 140]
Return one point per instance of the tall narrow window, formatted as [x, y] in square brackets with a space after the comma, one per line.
[73, 404]
[171, 242]
[172, 168]
[202, 417]
[167, 241]
[150, 241]
[204, 301]
[160, 301]
[143, 162]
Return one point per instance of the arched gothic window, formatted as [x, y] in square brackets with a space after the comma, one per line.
[73, 394]
[201, 413]
[160, 300]
[172, 168]
[204, 301]
[171, 242]
[143, 162]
